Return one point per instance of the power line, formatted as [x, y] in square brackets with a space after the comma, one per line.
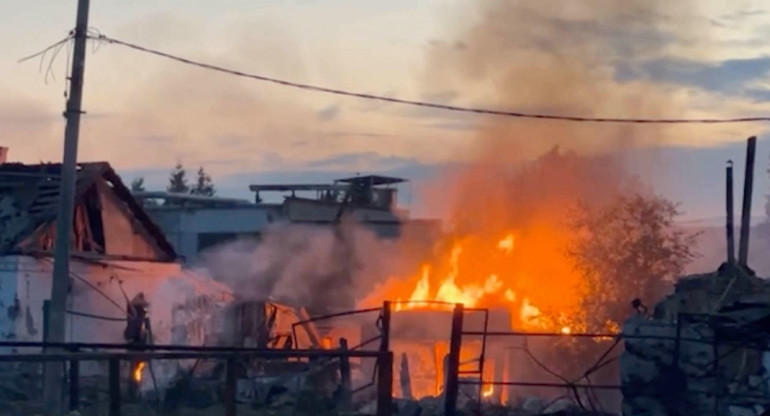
[514, 114]
[47, 48]
[95, 316]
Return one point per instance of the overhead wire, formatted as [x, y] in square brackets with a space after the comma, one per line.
[46, 49]
[95, 316]
[567, 383]
[93, 287]
[485, 111]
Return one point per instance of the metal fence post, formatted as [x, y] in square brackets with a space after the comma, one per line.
[46, 319]
[385, 384]
[114, 387]
[385, 329]
[230, 381]
[74, 384]
[385, 366]
[345, 373]
[453, 366]
[716, 368]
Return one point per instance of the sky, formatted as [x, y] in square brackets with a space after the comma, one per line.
[706, 58]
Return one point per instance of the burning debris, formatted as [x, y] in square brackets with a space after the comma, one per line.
[510, 249]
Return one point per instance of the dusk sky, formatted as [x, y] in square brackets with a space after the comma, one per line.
[706, 58]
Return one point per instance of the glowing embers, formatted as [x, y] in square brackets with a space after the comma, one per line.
[138, 371]
[487, 391]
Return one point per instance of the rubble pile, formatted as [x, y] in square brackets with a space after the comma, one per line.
[703, 350]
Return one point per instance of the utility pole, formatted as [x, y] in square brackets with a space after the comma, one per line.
[748, 186]
[60, 283]
[729, 224]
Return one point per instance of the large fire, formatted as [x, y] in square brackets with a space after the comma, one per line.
[510, 235]
[527, 273]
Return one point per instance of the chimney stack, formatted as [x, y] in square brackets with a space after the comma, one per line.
[3, 154]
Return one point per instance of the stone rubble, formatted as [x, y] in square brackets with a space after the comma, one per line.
[718, 366]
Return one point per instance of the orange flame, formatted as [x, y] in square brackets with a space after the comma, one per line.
[530, 276]
[138, 371]
[506, 244]
[488, 390]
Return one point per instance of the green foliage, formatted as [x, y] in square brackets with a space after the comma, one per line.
[137, 185]
[177, 182]
[204, 185]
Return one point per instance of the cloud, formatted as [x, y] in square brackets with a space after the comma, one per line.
[360, 134]
[455, 125]
[758, 94]
[31, 130]
[441, 97]
[359, 160]
[727, 77]
[741, 15]
[328, 113]
[157, 140]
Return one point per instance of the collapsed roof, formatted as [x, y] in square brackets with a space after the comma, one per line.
[107, 219]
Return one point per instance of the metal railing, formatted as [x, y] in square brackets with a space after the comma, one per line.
[758, 342]
[115, 354]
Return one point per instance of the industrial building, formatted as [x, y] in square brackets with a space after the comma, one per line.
[194, 223]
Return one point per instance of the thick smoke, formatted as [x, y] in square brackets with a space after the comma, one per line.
[321, 268]
[561, 58]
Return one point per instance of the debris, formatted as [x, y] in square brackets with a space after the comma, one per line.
[533, 404]
[410, 408]
[702, 352]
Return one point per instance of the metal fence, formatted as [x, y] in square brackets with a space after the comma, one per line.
[722, 345]
[71, 355]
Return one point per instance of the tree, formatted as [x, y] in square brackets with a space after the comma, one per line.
[204, 185]
[137, 185]
[177, 182]
[629, 248]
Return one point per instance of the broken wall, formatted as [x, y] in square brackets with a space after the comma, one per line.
[703, 350]
[123, 235]
[97, 288]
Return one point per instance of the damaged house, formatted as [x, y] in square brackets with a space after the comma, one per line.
[117, 252]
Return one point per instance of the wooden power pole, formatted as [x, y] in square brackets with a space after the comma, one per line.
[730, 215]
[61, 269]
[748, 186]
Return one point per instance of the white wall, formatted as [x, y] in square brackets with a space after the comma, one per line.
[165, 286]
[8, 295]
